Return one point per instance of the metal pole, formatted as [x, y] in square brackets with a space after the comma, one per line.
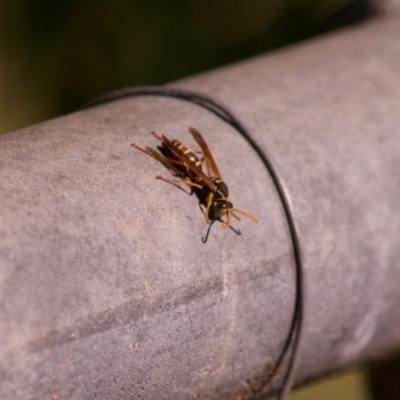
[105, 286]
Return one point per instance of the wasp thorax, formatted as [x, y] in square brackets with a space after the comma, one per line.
[222, 189]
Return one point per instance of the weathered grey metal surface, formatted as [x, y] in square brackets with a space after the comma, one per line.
[106, 290]
[391, 5]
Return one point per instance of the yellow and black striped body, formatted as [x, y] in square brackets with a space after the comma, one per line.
[187, 152]
[215, 200]
[209, 186]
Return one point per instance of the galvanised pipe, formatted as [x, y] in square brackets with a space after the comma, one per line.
[106, 289]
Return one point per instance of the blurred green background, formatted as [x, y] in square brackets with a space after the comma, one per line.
[57, 55]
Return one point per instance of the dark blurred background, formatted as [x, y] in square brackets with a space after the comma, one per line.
[57, 55]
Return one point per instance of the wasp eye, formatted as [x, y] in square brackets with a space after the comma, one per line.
[227, 204]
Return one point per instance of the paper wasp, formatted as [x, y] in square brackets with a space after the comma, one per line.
[186, 166]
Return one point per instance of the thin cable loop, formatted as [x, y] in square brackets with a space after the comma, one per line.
[209, 103]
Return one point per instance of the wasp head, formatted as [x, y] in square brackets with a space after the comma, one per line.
[225, 207]
[220, 208]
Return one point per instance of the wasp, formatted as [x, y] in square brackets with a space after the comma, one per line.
[186, 166]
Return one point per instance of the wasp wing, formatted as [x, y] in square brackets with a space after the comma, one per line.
[189, 163]
[212, 166]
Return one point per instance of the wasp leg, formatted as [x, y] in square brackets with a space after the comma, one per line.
[173, 181]
[167, 162]
[136, 146]
[200, 206]
[204, 239]
[209, 202]
[227, 224]
[155, 134]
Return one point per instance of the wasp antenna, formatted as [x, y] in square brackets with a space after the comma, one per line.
[249, 216]
[237, 231]
[204, 239]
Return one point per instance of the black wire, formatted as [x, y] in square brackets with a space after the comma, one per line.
[294, 335]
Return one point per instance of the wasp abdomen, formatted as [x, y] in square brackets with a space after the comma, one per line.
[189, 153]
